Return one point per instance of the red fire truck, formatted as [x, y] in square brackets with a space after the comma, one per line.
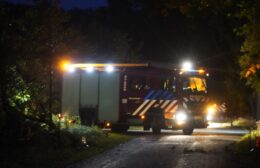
[120, 95]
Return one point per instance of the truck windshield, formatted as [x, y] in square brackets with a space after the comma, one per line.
[194, 85]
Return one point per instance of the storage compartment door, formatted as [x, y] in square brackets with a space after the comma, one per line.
[70, 94]
[89, 90]
[109, 97]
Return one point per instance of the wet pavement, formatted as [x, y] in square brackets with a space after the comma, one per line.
[169, 150]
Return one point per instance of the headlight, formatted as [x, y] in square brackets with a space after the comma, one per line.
[209, 117]
[181, 117]
[211, 110]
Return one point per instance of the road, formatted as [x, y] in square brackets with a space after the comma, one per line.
[206, 148]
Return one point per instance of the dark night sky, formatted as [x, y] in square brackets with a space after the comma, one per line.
[69, 4]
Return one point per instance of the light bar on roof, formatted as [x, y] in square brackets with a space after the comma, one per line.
[98, 65]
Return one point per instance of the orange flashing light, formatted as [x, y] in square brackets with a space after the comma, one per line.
[142, 117]
[64, 65]
[201, 71]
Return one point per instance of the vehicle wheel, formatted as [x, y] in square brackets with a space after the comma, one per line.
[187, 130]
[146, 127]
[156, 130]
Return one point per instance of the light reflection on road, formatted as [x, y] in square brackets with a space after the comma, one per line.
[229, 131]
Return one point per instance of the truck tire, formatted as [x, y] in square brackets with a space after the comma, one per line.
[146, 127]
[156, 125]
[188, 130]
[156, 130]
[119, 128]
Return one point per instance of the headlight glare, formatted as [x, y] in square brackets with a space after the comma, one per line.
[181, 116]
[211, 110]
[209, 117]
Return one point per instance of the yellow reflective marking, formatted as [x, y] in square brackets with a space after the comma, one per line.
[174, 109]
[185, 105]
[147, 107]
[170, 106]
[140, 107]
[165, 103]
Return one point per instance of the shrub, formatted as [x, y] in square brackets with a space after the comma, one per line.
[92, 135]
[244, 122]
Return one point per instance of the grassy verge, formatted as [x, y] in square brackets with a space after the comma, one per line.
[40, 157]
[246, 153]
[246, 144]
[243, 123]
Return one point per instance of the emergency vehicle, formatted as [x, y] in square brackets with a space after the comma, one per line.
[122, 95]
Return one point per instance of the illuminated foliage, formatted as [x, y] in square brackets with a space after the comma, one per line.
[32, 37]
[250, 60]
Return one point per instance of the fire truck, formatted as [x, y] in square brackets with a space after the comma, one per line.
[155, 96]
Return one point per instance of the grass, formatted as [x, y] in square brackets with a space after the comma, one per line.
[39, 157]
[246, 143]
[243, 123]
[246, 153]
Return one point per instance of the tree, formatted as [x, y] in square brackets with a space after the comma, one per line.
[222, 21]
[101, 38]
[250, 30]
[32, 39]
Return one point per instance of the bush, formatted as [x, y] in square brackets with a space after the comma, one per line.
[71, 136]
[244, 122]
[88, 115]
[246, 143]
[91, 135]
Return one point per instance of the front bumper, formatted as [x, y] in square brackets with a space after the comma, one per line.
[196, 122]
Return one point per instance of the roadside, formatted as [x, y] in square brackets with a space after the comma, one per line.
[41, 156]
[246, 152]
[247, 149]
[166, 151]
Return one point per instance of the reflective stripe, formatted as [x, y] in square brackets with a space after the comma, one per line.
[151, 98]
[149, 94]
[165, 103]
[185, 99]
[147, 107]
[169, 96]
[163, 95]
[170, 106]
[185, 105]
[221, 108]
[140, 107]
[156, 94]
[174, 109]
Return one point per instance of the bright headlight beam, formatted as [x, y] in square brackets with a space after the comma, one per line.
[110, 68]
[187, 65]
[89, 68]
[211, 110]
[209, 117]
[181, 116]
[70, 69]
